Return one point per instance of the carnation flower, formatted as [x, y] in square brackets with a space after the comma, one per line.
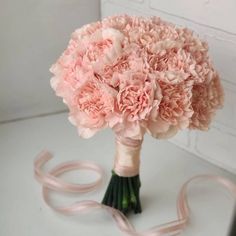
[175, 107]
[138, 99]
[174, 111]
[110, 74]
[207, 97]
[139, 94]
[92, 106]
[103, 47]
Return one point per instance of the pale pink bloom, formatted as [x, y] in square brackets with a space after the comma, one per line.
[143, 31]
[139, 94]
[133, 59]
[175, 109]
[103, 48]
[207, 97]
[92, 105]
[181, 64]
[137, 101]
[172, 76]
[110, 74]
[158, 132]
[66, 81]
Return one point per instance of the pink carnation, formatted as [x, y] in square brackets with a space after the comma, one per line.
[93, 104]
[207, 97]
[138, 100]
[102, 48]
[175, 109]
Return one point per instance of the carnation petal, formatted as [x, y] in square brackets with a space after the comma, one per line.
[157, 126]
[168, 134]
[86, 132]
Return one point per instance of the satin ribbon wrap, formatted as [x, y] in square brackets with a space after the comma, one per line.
[51, 181]
[127, 158]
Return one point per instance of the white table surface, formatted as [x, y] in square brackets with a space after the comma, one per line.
[164, 169]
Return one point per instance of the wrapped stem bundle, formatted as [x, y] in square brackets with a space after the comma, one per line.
[123, 190]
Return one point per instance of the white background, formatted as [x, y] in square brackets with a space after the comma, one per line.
[34, 33]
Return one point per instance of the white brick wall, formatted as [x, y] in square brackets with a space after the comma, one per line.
[215, 21]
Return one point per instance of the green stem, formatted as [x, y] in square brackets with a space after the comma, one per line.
[138, 208]
[115, 192]
[132, 192]
[123, 193]
[105, 199]
[120, 194]
[110, 195]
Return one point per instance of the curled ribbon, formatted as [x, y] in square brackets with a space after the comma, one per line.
[50, 181]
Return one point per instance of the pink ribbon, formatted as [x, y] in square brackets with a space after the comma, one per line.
[127, 158]
[50, 181]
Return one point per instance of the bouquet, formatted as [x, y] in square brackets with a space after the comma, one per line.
[135, 75]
